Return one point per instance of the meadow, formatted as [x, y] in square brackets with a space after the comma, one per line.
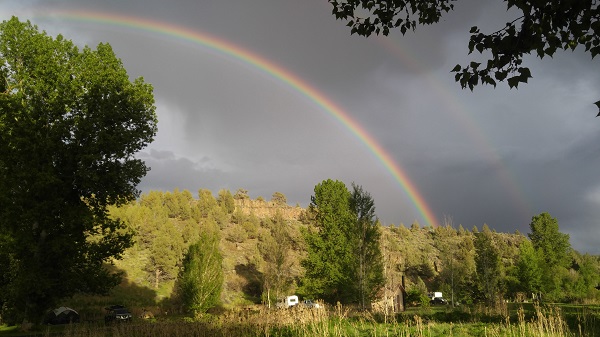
[512, 320]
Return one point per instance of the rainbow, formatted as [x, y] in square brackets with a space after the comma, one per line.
[290, 79]
[461, 113]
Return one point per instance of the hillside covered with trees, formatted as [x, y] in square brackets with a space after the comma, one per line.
[262, 246]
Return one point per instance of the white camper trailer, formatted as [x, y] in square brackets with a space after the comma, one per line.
[288, 302]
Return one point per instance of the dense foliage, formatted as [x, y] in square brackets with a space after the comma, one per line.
[368, 268]
[70, 124]
[262, 251]
[487, 267]
[344, 262]
[201, 278]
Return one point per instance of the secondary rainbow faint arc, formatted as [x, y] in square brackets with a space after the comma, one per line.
[459, 111]
[272, 69]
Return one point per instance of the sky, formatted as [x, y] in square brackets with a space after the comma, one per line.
[277, 96]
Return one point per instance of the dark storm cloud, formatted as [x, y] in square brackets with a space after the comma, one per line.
[168, 171]
[494, 156]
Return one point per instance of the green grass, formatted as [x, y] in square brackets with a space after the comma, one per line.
[8, 330]
[522, 321]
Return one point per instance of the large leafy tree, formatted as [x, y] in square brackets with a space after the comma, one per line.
[344, 262]
[487, 262]
[546, 237]
[539, 27]
[329, 247]
[71, 122]
[529, 268]
[166, 249]
[583, 284]
[555, 252]
[369, 260]
[277, 263]
[201, 279]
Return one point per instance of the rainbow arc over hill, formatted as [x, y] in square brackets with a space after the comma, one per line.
[290, 79]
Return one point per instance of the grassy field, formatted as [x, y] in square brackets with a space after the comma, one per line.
[515, 321]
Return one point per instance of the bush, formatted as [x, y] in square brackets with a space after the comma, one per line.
[236, 234]
[415, 297]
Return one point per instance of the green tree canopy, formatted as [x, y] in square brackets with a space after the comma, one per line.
[344, 262]
[554, 250]
[71, 122]
[275, 251]
[369, 278]
[539, 27]
[226, 201]
[201, 279]
[329, 252]
[487, 263]
[206, 202]
[546, 237]
[279, 198]
[529, 268]
[166, 250]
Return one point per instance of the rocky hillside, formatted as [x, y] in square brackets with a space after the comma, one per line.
[268, 209]
[252, 231]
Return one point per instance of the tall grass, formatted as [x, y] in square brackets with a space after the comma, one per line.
[338, 321]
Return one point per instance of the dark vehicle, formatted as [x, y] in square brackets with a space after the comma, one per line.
[117, 313]
[438, 300]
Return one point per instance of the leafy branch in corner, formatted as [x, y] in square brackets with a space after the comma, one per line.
[542, 28]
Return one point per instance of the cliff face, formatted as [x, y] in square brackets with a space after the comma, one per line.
[268, 209]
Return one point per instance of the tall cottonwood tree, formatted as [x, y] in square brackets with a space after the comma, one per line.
[71, 122]
[275, 251]
[487, 262]
[539, 28]
[555, 251]
[546, 237]
[529, 269]
[344, 262]
[330, 257]
[201, 279]
[369, 260]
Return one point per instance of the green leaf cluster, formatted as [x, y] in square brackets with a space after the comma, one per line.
[540, 28]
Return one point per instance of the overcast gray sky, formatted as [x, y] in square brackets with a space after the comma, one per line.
[494, 156]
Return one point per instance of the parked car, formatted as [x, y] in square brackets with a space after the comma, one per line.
[310, 304]
[117, 313]
[438, 300]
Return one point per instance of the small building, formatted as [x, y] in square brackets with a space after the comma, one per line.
[391, 300]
